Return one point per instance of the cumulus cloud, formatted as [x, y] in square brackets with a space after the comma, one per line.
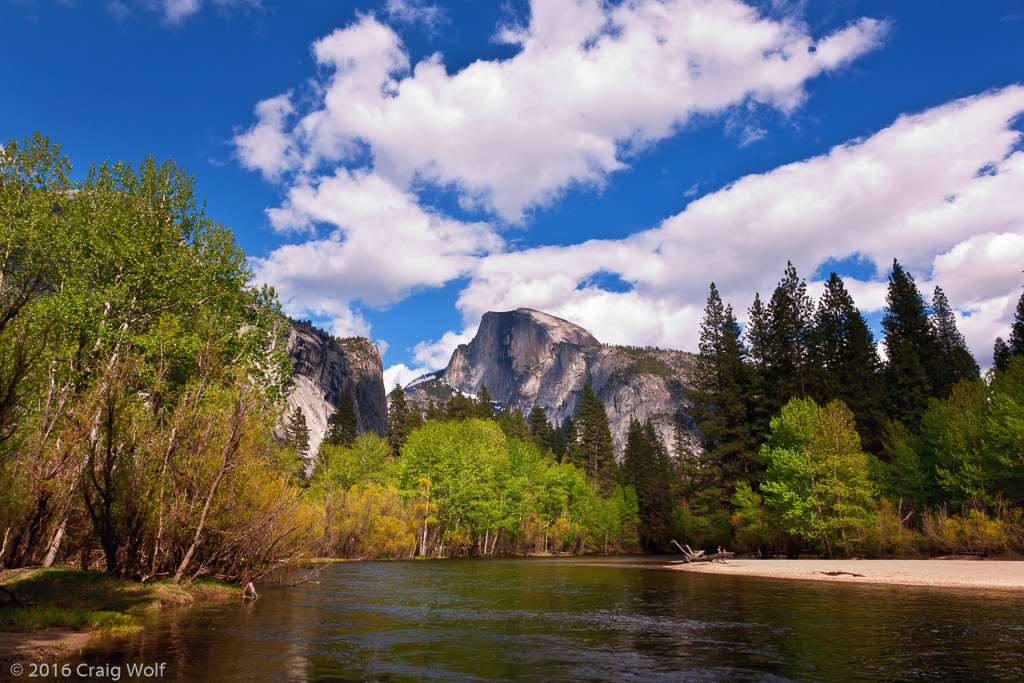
[591, 83]
[401, 374]
[381, 246]
[938, 190]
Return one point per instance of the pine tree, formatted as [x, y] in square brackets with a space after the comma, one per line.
[398, 419]
[911, 348]
[434, 412]
[955, 362]
[514, 425]
[1001, 355]
[593, 450]
[460, 407]
[845, 359]
[556, 442]
[297, 432]
[634, 457]
[342, 427]
[1016, 341]
[719, 398]
[759, 403]
[540, 430]
[790, 317]
[484, 407]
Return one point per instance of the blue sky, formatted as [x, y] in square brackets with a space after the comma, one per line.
[397, 168]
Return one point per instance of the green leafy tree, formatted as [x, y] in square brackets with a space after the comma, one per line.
[817, 480]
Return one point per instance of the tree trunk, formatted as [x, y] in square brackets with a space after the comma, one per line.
[228, 451]
[51, 554]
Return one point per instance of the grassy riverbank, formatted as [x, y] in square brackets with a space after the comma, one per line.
[70, 604]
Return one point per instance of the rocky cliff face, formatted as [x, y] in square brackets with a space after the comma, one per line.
[528, 358]
[324, 368]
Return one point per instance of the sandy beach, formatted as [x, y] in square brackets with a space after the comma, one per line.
[952, 573]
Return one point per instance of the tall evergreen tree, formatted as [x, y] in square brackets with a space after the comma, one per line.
[514, 425]
[540, 430]
[460, 407]
[1016, 341]
[719, 397]
[593, 448]
[556, 441]
[342, 427]
[759, 403]
[955, 362]
[790, 318]
[434, 412]
[484, 407]
[912, 349]
[1001, 355]
[398, 419]
[297, 432]
[846, 362]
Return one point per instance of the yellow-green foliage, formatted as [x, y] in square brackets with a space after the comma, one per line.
[368, 522]
[974, 532]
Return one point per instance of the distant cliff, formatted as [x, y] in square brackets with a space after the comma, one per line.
[324, 368]
[528, 358]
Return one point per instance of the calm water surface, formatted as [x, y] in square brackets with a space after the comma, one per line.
[619, 619]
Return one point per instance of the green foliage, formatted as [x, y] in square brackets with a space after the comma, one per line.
[297, 432]
[367, 460]
[912, 350]
[342, 428]
[816, 485]
[592, 450]
[955, 362]
[844, 360]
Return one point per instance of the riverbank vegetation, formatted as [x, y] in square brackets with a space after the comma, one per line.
[140, 379]
[39, 599]
[812, 442]
[142, 376]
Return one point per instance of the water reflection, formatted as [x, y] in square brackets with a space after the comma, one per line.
[581, 619]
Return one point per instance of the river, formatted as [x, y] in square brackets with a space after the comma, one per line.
[577, 619]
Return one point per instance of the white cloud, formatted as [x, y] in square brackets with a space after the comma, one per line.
[416, 12]
[381, 247]
[435, 354]
[264, 146]
[591, 82]
[401, 374]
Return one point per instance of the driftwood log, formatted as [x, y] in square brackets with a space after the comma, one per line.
[691, 555]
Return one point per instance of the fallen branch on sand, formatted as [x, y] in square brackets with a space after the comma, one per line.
[691, 555]
[839, 573]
